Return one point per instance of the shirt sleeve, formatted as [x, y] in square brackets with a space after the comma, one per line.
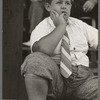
[40, 31]
[91, 34]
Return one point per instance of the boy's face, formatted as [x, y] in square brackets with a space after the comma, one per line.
[61, 6]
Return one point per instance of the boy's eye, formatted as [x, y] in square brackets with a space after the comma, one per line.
[60, 2]
[68, 3]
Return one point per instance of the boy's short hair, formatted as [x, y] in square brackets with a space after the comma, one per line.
[49, 1]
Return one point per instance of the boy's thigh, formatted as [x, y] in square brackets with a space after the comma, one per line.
[78, 77]
[89, 89]
[82, 83]
[43, 66]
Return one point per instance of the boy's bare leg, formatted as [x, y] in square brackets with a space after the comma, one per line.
[42, 77]
[36, 87]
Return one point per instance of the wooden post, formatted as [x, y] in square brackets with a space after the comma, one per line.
[12, 47]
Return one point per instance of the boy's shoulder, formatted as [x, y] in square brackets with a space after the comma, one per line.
[75, 20]
[46, 24]
[44, 21]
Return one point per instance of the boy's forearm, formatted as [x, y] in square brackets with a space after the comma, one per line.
[48, 43]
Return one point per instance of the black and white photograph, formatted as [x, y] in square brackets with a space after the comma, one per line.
[50, 50]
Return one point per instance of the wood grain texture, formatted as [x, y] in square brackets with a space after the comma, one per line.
[12, 48]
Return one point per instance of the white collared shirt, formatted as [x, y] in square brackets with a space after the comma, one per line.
[80, 35]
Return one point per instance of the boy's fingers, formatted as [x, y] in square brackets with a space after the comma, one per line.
[52, 16]
[55, 13]
[62, 15]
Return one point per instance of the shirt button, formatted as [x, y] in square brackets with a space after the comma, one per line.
[74, 48]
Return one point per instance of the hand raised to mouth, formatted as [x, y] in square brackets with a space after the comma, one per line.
[57, 19]
[53, 14]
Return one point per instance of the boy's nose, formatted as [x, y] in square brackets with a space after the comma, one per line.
[64, 6]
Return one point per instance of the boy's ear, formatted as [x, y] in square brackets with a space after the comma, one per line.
[47, 6]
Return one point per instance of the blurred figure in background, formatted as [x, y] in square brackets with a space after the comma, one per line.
[36, 13]
[88, 8]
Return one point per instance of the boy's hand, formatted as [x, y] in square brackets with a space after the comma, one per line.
[57, 19]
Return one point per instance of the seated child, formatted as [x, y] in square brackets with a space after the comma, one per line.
[44, 79]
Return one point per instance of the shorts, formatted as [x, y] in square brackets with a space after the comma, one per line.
[82, 85]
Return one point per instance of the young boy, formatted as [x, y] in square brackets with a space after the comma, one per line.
[41, 69]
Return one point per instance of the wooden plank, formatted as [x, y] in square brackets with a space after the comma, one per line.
[12, 46]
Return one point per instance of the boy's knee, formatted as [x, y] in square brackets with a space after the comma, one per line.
[42, 60]
[39, 64]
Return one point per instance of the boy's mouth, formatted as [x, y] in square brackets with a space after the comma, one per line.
[64, 12]
[65, 15]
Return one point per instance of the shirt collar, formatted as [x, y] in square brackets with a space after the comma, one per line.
[69, 22]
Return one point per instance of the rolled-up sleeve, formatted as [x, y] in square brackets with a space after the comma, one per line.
[39, 32]
[91, 34]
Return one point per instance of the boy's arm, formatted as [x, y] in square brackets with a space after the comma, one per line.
[48, 43]
[91, 35]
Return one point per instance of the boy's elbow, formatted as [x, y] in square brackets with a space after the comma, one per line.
[45, 50]
[35, 48]
[39, 48]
